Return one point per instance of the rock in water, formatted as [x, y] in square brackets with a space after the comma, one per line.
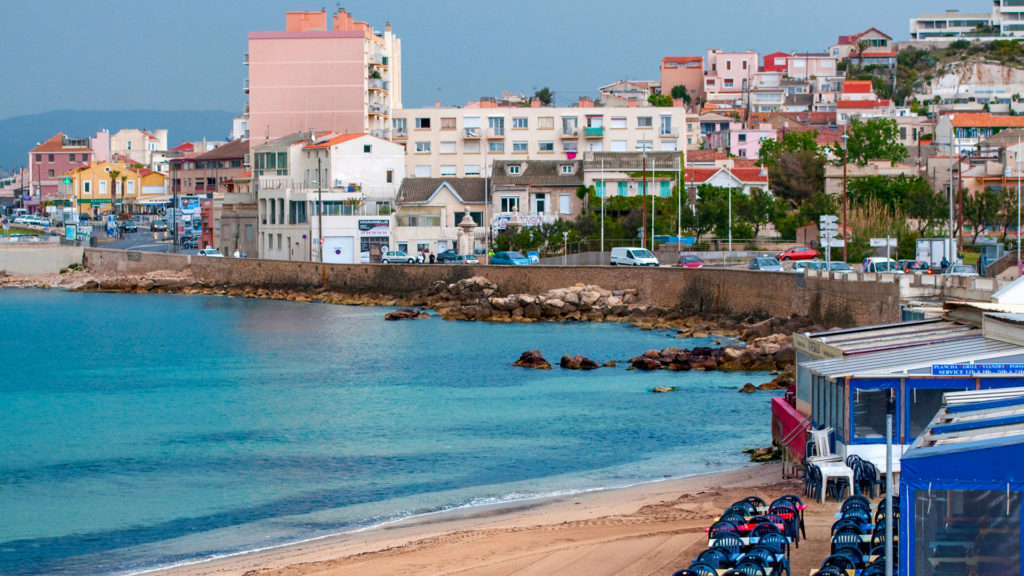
[578, 362]
[402, 314]
[661, 389]
[532, 359]
[748, 388]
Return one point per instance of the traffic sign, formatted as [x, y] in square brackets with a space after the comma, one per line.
[881, 242]
[828, 218]
[828, 233]
[832, 243]
[828, 226]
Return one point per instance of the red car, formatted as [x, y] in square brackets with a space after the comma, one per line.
[798, 253]
[690, 261]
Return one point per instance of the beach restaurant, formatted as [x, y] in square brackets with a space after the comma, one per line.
[961, 489]
[846, 378]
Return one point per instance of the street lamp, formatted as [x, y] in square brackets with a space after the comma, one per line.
[845, 138]
[565, 248]
[319, 208]
[643, 201]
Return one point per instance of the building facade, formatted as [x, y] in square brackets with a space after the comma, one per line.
[105, 187]
[47, 163]
[346, 78]
[457, 142]
[429, 210]
[138, 145]
[1005, 21]
[683, 71]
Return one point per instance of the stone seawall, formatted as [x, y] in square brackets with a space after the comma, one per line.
[703, 291]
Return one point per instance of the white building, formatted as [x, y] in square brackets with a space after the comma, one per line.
[138, 145]
[456, 142]
[354, 177]
[1006, 20]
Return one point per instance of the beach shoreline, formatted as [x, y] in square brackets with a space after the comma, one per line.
[678, 507]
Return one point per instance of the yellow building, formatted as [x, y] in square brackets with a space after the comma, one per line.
[98, 187]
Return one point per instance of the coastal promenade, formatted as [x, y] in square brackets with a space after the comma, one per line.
[827, 301]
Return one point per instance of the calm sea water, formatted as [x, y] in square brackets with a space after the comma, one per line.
[148, 430]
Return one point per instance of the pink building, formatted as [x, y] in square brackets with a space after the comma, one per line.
[48, 161]
[683, 71]
[346, 78]
[741, 142]
[804, 66]
[729, 71]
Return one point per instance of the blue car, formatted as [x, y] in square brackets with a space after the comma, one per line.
[509, 259]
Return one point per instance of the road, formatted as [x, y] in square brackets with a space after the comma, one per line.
[144, 241]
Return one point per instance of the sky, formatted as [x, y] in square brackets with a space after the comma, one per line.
[187, 54]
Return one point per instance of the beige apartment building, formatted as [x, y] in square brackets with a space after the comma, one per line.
[459, 142]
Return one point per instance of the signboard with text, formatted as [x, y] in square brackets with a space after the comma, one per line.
[975, 369]
[375, 227]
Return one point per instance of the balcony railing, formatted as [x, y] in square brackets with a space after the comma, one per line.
[377, 84]
[570, 132]
[401, 133]
[245, 59]
[495, 132]
[245, 85]
[594, 132]
[376, 109]
[470, 132]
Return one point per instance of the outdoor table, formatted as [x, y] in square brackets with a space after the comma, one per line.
[750, 526]
[752, 540]
[834, 470]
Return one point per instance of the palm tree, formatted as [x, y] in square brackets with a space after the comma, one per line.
[124, 183]
[113, 189]
[861, 46]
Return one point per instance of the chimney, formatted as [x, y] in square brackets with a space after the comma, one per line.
[437, 104]
[534, 103]
[387, 26]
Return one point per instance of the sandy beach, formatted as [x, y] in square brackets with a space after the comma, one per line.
[651, 529]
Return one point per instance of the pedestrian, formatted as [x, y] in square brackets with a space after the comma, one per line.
[237, 253]
[419, 257]
[432, 258]
[944, 263]
[982, 264]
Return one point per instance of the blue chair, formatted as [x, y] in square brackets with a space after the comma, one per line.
[714, 557]
[729, 541]
[755, 501]
[845, 539]
[722, 526]
[796, 502]
[703, 569]
[792, 524]
[866, 475]
[855, 500]
[841, 562]
[742, 511]
[812, 481]
[734, 518]
[851, 552]
[748, 508]
[847, 524]
[750, 568]
[858, 514]
[769, 558]
[830, 571]
[775, 542]
[764, 528]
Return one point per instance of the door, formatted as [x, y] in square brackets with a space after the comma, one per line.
[338, 249]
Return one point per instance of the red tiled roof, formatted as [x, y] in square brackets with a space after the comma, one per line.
[702, 175]
[682, 59]
[56, 144]
[985, 120]
[744, 162]
[243, 175]
[749, 174]
[184, 147]
[864, 103]
[333, 141]
[857, 87]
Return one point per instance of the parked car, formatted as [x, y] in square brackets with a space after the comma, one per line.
[128, 226]
[913, 267]
[690, 261]
[964, 270]
[189, 242]
[24, 220]
[447, 255]
[509, 259]
[798, 253]
[212, 252]
[840, 268]
[765, 264]
[799, 267]
[463, 259]
[879, 264]
[624, 256]
[158, 226]
[396, 256]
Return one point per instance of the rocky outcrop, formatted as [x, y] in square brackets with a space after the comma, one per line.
[748, 388]
[661, 389]
[757, 356]
[578, 362]
[532, 359]
[780, 382]
[406, 314]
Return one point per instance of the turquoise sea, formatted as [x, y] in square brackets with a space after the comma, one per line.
[150, 430]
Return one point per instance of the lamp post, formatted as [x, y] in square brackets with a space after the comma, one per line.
[652, 206]
[951, 257]
[319, 208]
[1020, 265]
[730, 220]
[565, 248]
[890, 410]
[843, 235]
[643, 201]
[604, 192]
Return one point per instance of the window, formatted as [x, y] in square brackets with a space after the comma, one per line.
[249, 231]
[742, 138]
[367, 148]
[668, 145]
[546, 146]
[644, 145]
[744, 64]
[520, 123]
[472, 169]
[128, 144]
[666, 125]
[49, 157]
[564, 204]
[566, 168]
[103, 187]
[447, 147]
[423, 123]
[618, 122]
[596, 146]
[448, 170]
[540, 203]
[496, 147]
[49, 173]
[923, 404]
[496, 125]
[471, 147]
[509, 203]
[869, 412]
[513, 169]
[85, 158]
[570, 146]
[618, 145]
[546, 123]
[623, 188]
[599, 189]
[728, 64]
[422, 171]
[471, 126]
[389, 176]
[71, 157]
[665, 189]
[570, 126]
[520, 147]
[399, 125]
[39, 157]
[297, 212]
[477, 217]
[423, 146]
[280, 210]
[447, 123]
[728, 83]
[644, 122]
[986, 521]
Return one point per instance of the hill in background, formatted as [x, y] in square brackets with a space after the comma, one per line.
[21, 133]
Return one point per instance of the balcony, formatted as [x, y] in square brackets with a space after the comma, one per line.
[377, 110]
[470, 132]
[245, 85]
[401, 133]
[670, 133]
[245, 59]
[495, 133]
[594, 132]
[377, 84]
[570, 132]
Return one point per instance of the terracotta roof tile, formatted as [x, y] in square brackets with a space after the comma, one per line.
[333, 141]
[537, 173]
[857, 87]
[705, 155]
[984, 120]
[419, 190]
[56, 144]
[864, 103]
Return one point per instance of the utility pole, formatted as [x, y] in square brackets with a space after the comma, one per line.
[652, 205]
[843, 235]
[320, 206]
[643, 201]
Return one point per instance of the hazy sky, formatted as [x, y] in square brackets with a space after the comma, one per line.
[187, 54]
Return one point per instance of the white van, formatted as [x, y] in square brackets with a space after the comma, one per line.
[879, 264]
[633, 257]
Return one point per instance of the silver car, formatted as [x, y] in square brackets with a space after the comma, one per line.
[963, 270]
[765, 264]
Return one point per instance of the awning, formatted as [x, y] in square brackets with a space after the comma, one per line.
[155, 200]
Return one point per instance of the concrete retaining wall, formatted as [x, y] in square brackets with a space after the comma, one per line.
[832, 303]
[42, 258]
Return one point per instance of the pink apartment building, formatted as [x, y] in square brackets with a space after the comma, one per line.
[683, 71]
[346, 78]
[48, 161]
[729, 71]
